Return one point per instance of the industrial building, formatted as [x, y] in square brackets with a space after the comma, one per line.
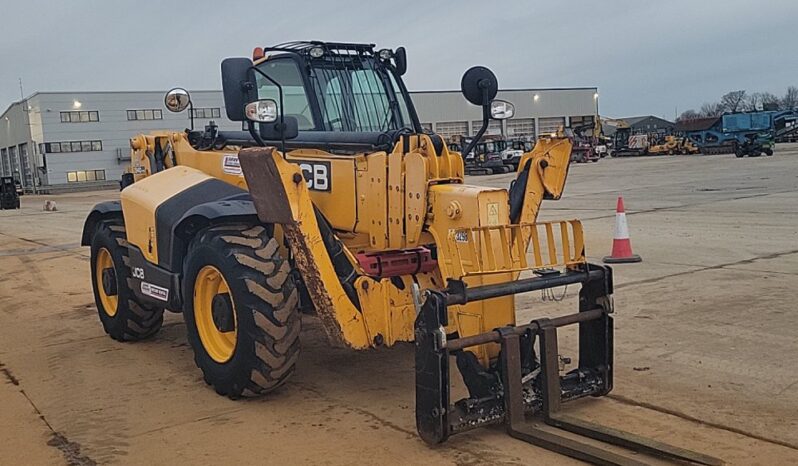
[648, 124]
[60, 140]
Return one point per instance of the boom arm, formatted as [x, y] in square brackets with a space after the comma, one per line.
[541, 175]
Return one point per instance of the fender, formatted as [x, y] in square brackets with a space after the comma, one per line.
[230, 209]
[101, 211]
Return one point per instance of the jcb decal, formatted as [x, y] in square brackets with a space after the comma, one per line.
[317, 175]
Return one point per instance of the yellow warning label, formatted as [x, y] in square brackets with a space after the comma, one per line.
[493, 213]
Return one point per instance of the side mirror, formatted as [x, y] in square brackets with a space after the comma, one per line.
[400, 60]
[237, 85]
[177, 100]
[479, 85]
[501, 110]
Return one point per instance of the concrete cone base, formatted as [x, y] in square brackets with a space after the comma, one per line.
[622, 260]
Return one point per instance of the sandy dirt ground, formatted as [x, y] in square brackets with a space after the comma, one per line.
[705, 342]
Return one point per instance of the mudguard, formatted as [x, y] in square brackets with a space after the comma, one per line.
[99, 212]
[238, 207]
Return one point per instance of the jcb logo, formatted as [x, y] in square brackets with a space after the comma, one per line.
[317, 175]
[138, 272]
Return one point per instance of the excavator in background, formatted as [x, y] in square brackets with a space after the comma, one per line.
[486, 158]
[333, 201]
[585, 140]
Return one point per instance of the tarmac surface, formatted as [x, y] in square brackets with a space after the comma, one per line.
[706, 340]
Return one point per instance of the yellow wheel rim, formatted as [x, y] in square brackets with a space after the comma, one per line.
[220, 345]
[105, 261]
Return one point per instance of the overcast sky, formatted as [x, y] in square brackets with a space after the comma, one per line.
[646, 57]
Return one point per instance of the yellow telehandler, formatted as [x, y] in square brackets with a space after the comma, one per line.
[332, 200]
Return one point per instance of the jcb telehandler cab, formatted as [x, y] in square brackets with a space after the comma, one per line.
[334, 201]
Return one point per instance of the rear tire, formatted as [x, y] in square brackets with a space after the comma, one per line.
[249, 345]
[122, 317]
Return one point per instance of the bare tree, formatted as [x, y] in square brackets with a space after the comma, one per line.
[688, 115]
[790, 99]
[758, 101]
[733, 101]
[712, 109]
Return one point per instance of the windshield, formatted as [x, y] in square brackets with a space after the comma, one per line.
[354, 94]
[295, 100]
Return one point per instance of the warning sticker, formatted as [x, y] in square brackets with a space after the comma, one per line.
[155, 291]
[493, 213]
[231, 165]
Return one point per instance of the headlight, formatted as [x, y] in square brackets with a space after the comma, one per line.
[386, 54]
[316, 52]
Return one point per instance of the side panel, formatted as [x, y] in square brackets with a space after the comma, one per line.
[332, 183]
[141, 200]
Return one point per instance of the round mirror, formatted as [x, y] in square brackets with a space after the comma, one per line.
[501, 110]
[177, 100]
[477, 84]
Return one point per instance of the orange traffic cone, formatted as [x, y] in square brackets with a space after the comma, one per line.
[621, 245]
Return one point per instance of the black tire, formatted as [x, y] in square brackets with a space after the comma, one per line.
[264, 298]
[131, 321]
[769, 152]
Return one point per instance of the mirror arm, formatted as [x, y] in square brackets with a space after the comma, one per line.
[254, 134]
[191, 113]
[485, 122]
[282, 111]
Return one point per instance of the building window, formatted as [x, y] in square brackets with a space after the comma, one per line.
[72, 146]
[82, 176]
[83, 116]
[153, 114]
[214, 112]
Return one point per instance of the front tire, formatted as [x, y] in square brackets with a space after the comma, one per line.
[241, 310]
[122, 317]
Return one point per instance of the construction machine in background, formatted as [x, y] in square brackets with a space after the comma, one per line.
[584, 143]
[334, 201]
[669, 145]
[9, 196]
[486, 157]
[515, 151]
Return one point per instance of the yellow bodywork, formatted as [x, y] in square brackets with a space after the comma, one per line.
[383, 201]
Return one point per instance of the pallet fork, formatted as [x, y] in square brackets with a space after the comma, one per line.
[522, 385]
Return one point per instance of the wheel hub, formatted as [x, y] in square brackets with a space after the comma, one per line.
[222, 312]
[109, 281]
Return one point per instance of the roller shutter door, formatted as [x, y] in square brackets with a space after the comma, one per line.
[5, 164]
[494, 127]
[521, 127]
[447, 129]
[550, 125]
[581, 120]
